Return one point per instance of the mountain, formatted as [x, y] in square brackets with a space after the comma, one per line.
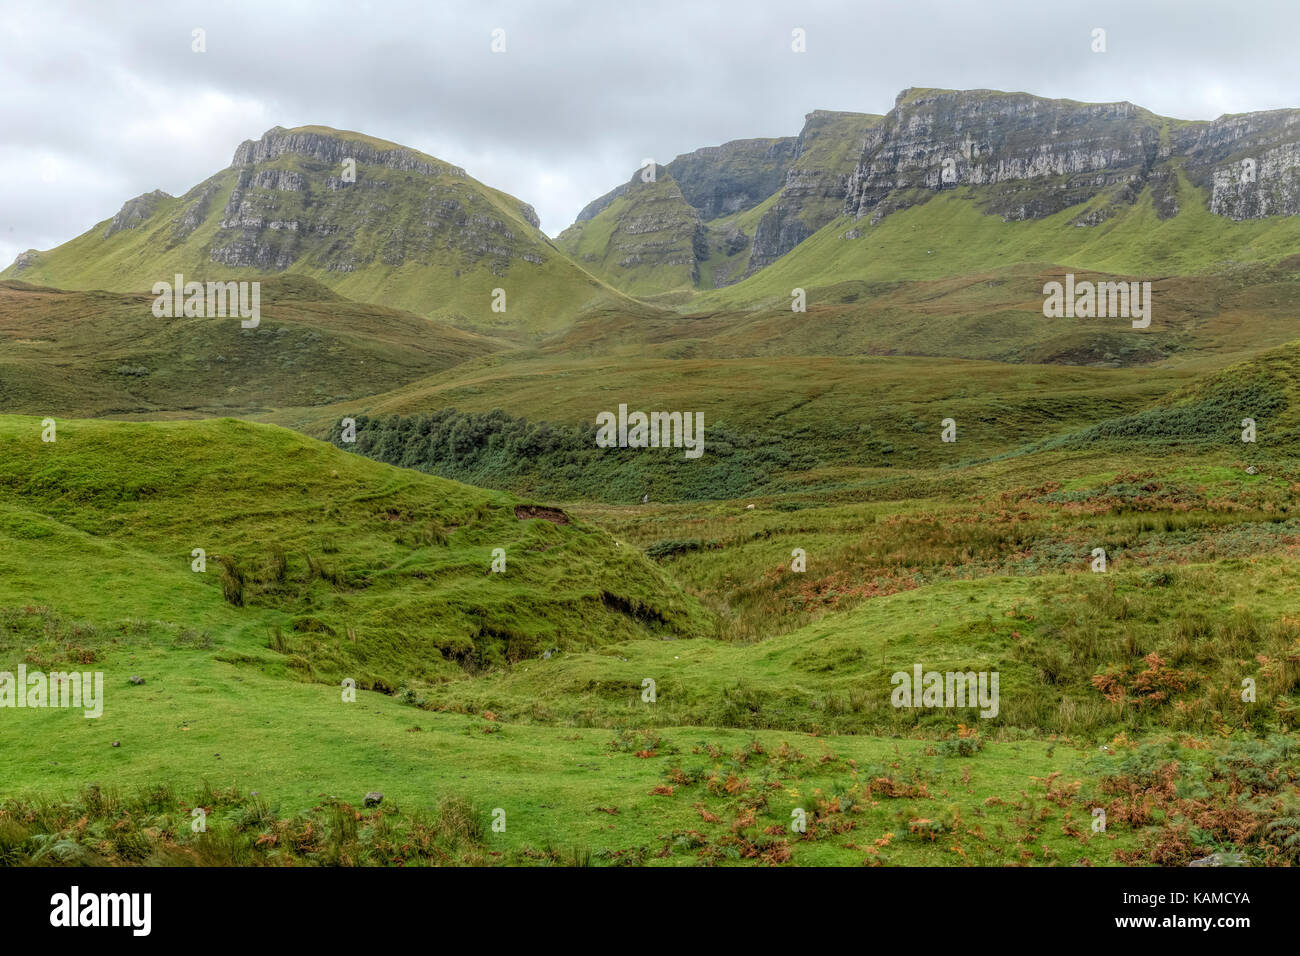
[1106, 186]
[408, 231]
[646, 240]
[730, 210]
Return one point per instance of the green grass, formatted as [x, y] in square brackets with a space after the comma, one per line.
[83, 354]
[351, 568]
[789, 711]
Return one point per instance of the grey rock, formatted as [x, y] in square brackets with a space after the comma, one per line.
[373, 799]
[25, 260]
[277, 141]
[135, 211]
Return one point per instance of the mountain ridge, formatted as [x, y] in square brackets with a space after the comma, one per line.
[372, 220]
[416, 233]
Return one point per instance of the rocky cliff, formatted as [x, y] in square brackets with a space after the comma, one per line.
[1249, 163]
[646, 240]
[1018, 157]
[815, 184]
[720, 180]
[1030, 157]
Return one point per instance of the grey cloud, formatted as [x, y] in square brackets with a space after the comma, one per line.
[585, 91]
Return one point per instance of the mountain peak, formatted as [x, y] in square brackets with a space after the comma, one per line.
[360, 215]
[135, 211]
[330, 145]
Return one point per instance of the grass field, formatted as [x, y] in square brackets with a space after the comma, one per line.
[1120, 691]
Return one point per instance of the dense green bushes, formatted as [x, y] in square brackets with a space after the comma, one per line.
[496, 450]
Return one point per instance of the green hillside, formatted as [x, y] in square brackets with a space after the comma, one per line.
[741, 733]
[106, 354]
[343, 566]
[411, 232]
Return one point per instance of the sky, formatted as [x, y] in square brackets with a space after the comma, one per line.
[106, 99]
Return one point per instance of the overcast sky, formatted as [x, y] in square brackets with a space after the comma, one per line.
[105, 99]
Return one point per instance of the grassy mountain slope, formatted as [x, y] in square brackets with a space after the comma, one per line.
[411, 232]
[100, 354]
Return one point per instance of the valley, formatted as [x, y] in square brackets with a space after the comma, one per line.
[546, 639]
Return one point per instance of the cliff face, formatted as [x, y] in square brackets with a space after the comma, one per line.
[733, 177]
[328, 147]
[290, 200]
[646, 240]
[719, 180]
[1249, 164]
[1032, 157]
[815, 185]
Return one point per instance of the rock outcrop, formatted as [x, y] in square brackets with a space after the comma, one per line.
[815, 184]
[1249, 164]
[719, 180]
[1031, 157]
[328, 146]
[733, 177]
[135, 211]
[277, 214]
[646, 239]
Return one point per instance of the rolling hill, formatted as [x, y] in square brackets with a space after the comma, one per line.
[105, 354]
[349, 567]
